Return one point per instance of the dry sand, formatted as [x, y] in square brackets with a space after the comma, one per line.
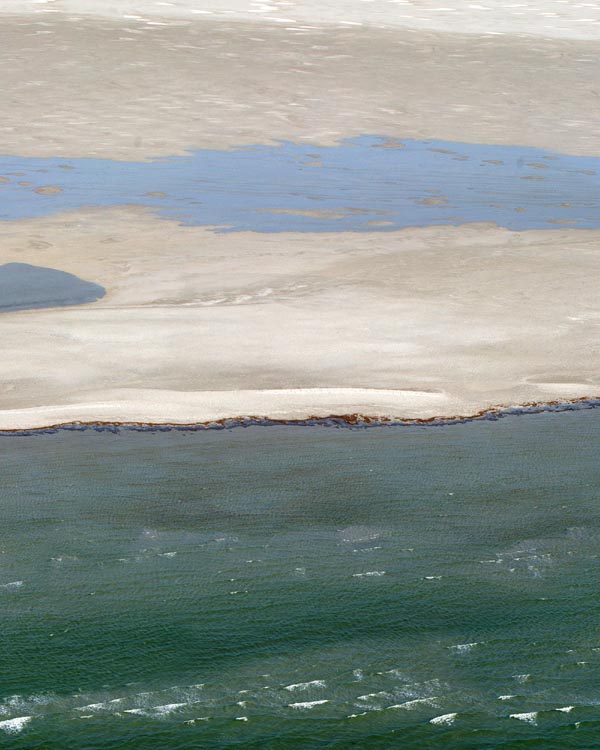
[97, 87]
[572, 19]
[198, 325]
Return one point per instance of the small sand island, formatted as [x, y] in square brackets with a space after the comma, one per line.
[198, 324]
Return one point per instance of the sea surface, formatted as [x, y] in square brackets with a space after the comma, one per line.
[302, 588]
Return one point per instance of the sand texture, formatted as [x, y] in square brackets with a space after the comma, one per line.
[128, 90]
[575, 19]
[198, 325]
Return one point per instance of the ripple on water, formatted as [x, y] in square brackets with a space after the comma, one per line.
[303, 705]
[306, 685]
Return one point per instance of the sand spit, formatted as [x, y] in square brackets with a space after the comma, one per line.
[166, 407]
[158, 90]
[349, 421]
[199, 326]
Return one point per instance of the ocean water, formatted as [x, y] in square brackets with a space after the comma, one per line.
[371, 183]
[302, 587]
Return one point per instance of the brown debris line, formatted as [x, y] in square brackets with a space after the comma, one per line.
[352, 420]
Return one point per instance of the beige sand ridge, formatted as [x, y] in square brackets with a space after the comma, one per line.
[198, 325]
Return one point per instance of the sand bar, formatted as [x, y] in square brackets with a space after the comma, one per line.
[197, 325]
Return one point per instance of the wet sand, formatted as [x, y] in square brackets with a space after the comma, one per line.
[197, 325]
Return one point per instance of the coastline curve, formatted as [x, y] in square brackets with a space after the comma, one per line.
[339, 421]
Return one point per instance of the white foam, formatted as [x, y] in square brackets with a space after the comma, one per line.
[12, 586]
[521, 677]
[415, 703]
[307, 704]
[306, 685]
[463, 648]
[565, 709]
[368, 549]
[506, 697]
[12, 726]
[168, 708]
[529, 717]
[444, 719]
[241, 718]
[366, 696]
[369, 573]
[91, 707]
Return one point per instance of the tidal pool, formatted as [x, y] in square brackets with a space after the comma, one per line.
[370, 183]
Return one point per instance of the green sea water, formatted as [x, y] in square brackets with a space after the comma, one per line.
[287, 588]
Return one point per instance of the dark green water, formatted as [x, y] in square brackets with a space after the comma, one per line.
[302, 588]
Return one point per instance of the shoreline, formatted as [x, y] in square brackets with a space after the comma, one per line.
[339, 421]
[437, 321]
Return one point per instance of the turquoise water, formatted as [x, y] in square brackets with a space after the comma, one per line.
[298, 587]
[370, 183]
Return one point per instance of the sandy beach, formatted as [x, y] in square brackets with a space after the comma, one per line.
[198, 325]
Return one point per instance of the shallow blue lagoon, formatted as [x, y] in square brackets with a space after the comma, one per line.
[303, 588]
[23, 287]
[363, 184]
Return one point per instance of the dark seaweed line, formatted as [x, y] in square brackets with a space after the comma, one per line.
[340, 421]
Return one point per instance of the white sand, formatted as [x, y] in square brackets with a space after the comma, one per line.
[171, 407]
[418, 323]
[95, 87]
[575, 19]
